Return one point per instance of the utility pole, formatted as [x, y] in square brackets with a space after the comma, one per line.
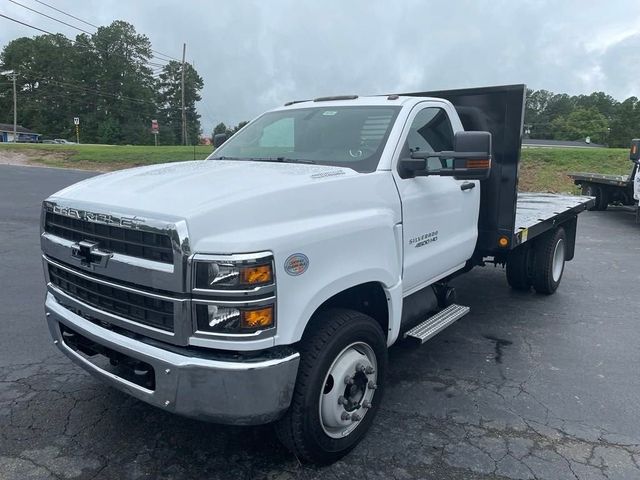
[184, 114]
[15, 109]
[13, 76]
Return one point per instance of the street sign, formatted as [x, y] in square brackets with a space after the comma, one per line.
[155, 129]
[76, 120]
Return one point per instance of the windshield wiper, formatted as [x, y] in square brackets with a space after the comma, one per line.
[267, 159]
[280, 159]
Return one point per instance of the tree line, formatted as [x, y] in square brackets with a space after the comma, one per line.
[559, 116]
[598, 116]
[107, 79]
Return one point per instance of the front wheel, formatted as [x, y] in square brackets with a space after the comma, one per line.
[339, 387]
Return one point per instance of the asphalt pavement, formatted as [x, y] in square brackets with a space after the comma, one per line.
[525, 386]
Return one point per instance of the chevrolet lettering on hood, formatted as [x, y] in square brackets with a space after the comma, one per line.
[105, 218]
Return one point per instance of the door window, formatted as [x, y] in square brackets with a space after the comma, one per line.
[431, 131]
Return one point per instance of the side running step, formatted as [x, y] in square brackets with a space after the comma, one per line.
[441, 320]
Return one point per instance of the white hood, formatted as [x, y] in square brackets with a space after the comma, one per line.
[232, 204]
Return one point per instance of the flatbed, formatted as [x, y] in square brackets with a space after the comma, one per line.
[615, 180]
[537, 213]
[609, 189]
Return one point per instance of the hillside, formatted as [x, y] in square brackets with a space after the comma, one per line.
[542, 169]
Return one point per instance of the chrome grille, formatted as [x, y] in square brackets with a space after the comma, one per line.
[132, 242]
[139, 308]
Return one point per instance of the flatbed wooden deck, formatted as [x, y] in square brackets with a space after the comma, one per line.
[539, 212]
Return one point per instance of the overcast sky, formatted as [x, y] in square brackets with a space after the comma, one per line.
[254, 55]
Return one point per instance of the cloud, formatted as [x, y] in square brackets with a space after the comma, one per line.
[254, 55]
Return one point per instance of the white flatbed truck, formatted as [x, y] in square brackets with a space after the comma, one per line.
[266, 283]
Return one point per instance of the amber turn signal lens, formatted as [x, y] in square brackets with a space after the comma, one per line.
[503, 241]
[260, 318]
[255, 275]
[478, 163]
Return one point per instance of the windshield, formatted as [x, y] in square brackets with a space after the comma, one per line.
[351, 137]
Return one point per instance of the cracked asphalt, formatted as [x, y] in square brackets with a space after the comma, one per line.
[524, 387]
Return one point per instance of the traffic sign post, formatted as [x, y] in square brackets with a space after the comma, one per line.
[155, 129]
[76, 122]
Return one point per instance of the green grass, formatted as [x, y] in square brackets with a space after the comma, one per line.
[104, 157]
[541, 169]
[546, 169]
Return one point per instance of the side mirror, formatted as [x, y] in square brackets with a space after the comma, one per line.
[219, 139]
[634, 153]
[469, 160]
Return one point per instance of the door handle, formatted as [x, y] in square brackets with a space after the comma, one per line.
[467, 186]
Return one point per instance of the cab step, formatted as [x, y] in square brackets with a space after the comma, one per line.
[441, 320]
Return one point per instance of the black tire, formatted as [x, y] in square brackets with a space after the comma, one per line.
[590, 191]
[301, 430]
[601, 194]
[602, 198]
[519, 268]
[544, 280]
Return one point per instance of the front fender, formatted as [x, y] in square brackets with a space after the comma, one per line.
[392, 292]
[340, 257]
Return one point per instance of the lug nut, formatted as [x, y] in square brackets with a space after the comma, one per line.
[366, 404]
[355, 417]
[348, 380]
[345, 416]
[371, 385]
[360, 368]
[342, 400]
[369, 370]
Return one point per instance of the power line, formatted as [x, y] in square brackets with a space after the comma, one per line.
[99, 93]
[50, 17]
[153, 64]
[67, 14]
[95, 26]
[27, 25]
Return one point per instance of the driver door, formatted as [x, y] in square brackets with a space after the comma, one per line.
[439, 218]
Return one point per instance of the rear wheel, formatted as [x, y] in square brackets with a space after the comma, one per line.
[339, 387]
[600, 194]
[519, 268]
[548, 267]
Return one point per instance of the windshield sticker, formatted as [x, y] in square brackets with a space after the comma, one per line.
[424, 239]
[296, 264]
[329, 113]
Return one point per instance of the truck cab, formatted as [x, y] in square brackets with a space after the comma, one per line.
[266, 283]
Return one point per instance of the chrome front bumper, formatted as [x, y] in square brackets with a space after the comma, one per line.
[240, 392]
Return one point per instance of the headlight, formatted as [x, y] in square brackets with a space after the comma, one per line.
[230, 320]
[234, 295]
[229, 275]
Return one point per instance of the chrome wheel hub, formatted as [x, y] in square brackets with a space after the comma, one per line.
[558, 260]
[348, 390]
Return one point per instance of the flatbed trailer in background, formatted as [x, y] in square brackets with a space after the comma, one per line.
[610, 189]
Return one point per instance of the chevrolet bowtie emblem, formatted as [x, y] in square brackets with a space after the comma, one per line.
[89, 254]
